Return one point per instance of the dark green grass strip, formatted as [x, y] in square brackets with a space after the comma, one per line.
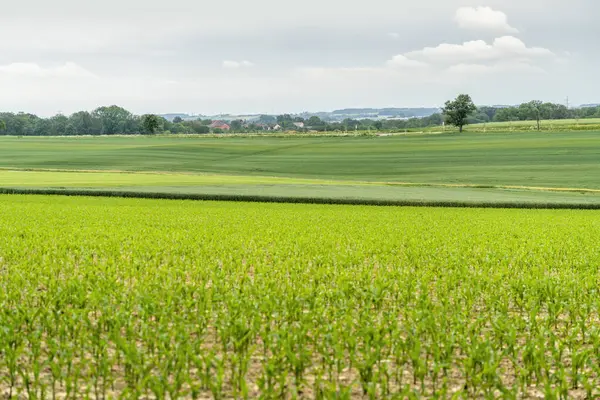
[298, 200]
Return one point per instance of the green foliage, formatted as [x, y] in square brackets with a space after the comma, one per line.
[285, 121]
[2, 125]
[150, 123]
[237, 125]
[113, 120]
[533, 110]
[456, 112]
[128, 298]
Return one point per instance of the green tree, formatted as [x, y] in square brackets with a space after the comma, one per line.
[267, 119]
[489, 111]
[177, 120]
[82, 123]
[114, 120]
[202, 129]
[150, 123]
[237, 125]
[314, 121]
[58, 125]
[458, 110]
[285, 121]
[533, 111]
[2, 125]
[197, 126]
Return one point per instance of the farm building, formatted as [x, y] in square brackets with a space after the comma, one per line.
[220, 125]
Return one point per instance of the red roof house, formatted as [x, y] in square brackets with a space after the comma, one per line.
[220, 125]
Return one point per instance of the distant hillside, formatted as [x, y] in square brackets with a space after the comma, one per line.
[185, 117]
[337, 115]
[385, 112]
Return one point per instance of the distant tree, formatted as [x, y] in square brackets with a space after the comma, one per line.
[489, 111]
[314, 121]
[267, 119]
[378, 125]
[533, 111]
[82, 123]
[115, 120]
[458, 110]
[177, 120]
[436, 119]
[2, 125]
[150, 123]
[197, 126]
[506, 114]
[285, 121]
[236, 125]
[58, 125]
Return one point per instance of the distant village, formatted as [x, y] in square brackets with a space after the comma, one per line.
[339, 120]
[224, 126]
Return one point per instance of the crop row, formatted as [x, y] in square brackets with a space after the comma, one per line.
[131, 298]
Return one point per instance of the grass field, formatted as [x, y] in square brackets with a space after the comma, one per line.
[585, 124]
[251, 187]
[467, 167]
[169, 299]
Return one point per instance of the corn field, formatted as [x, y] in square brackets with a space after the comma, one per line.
[167, 299]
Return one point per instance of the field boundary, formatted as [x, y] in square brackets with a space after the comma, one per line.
[297, 200]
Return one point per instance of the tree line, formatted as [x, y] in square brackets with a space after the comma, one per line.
[109, 120]
[462, 111]
[114, 120]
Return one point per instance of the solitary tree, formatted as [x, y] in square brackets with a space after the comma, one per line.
[457, 111]
[150, 123]
[534, 111]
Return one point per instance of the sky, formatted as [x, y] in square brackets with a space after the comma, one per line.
[276, 56]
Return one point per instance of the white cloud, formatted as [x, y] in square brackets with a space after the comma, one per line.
[33, 70]
[483, 18]
[401, 61]
[505, 49]
[507, 58]
[237, 64]
[394, 35]
[479, 69]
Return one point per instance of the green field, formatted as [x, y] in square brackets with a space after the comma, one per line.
[555, 125]
[135, 298]
[494, 167]
[584, 123]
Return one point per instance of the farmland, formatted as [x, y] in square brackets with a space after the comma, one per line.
[546, 125]
[557, 167]
[169, 299]
[137, 298]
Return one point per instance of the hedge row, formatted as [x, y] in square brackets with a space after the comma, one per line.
[299, 200]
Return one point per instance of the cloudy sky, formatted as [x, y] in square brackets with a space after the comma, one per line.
[273, 56]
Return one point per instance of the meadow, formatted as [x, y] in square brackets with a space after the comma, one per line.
[132, 298]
